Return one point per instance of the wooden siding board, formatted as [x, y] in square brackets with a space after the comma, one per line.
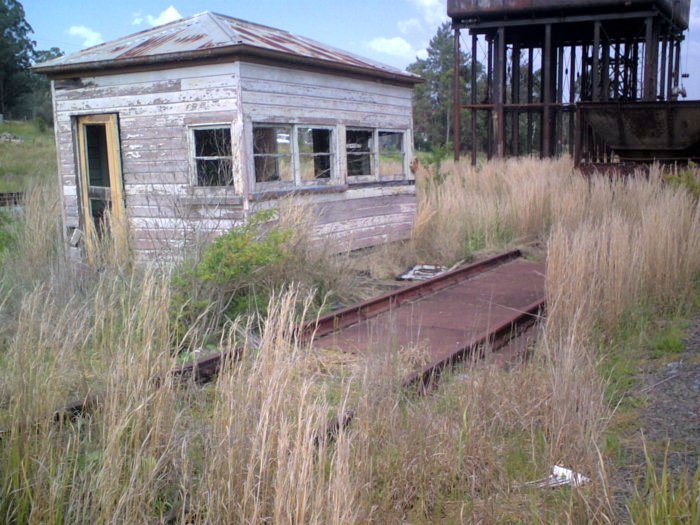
[312, 80]
[155, 110]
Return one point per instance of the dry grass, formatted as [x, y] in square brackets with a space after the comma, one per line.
[251, 448]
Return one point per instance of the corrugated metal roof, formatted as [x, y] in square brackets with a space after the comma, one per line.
[209, 34]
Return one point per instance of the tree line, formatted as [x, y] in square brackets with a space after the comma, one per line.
[23, 94]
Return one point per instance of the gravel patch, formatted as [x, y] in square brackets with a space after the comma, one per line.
[670, 418]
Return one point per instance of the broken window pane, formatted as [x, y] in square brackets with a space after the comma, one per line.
[359, 146]
[315, 153]
[96, 145]
[272, 153]
[212, 149]
[390, 153]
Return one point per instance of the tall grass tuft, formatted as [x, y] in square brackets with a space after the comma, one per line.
[252, 447]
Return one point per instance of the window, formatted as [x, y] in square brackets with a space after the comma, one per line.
[390, 154]
[374, 154]
[315, 153]
[272, 152]
[359, 147]
[212, 156]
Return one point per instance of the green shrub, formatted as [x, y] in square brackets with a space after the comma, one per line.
[688, 178]
[235, 275]
[7, 235]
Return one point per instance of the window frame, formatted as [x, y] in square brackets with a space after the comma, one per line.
[296, 182]
[194, 177]
[374, 157]
[273, 184]
[356, 179]
[332, 154]
[403, 175]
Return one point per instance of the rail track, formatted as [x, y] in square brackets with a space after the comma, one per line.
[10, 199]
[473, 309]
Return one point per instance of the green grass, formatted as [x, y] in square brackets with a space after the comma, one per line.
[665, 498]
[32, 159]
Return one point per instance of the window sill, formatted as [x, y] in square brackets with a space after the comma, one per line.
[211, 196]
[382, 183]
[266, 195]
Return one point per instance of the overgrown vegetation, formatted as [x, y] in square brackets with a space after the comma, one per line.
[251, 448]
[33, 160]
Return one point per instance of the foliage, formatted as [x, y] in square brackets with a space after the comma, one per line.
[23, 94]
[6, 231]
[688, 178]
[665, 500]
[432, 100]
[32, 159]
[233, 275]
[16, 52]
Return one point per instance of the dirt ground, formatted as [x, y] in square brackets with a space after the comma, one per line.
[670, 417]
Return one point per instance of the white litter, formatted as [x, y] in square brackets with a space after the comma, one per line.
[560, 476]
[422, 272]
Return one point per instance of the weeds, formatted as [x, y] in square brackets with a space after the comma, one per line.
[660, 499]
[251, 447]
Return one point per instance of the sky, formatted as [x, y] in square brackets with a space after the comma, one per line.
[394, 32]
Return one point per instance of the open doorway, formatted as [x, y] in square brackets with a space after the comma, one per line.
[101, 197]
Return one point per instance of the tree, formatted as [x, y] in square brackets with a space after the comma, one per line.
[432, 101]
[16, 53]
[35, 103]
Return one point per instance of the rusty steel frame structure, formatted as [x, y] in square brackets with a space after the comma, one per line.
[587, 53]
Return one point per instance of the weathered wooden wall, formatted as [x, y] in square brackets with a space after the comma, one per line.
[163, 207]
[166, 210]
[352, 215]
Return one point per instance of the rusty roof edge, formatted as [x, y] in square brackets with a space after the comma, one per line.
[237, 51]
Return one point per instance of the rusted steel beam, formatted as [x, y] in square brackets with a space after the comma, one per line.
[616, 74]
[648, 83]
[547, 92]
[495, 337]
[670, 69]
[354, 314]
[662, 69]
[634, 81]
[515, 98]
[595, 69]
[530, 87]
[605, 72]
[456, 99]
[559, 97]
[489, 97]
[572, 97]
[475, 146]
[578, 147]
[676, 69]
[499, 91]
[522, 106]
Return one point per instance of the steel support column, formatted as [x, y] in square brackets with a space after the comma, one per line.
[499, 91]
[547, 92]
[456, 99]
[475, 146]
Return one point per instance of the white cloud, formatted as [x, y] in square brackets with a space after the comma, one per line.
[90, 36]
[396, 47]
[694, 16]
[171, 14]
[434, 12]
[409, 26]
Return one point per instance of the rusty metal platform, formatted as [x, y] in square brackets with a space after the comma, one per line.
[476, 305]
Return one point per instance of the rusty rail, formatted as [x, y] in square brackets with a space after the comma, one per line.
[9, 199]
[353, 314]
[205, 369]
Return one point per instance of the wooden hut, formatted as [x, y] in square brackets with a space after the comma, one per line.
[184, 130]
